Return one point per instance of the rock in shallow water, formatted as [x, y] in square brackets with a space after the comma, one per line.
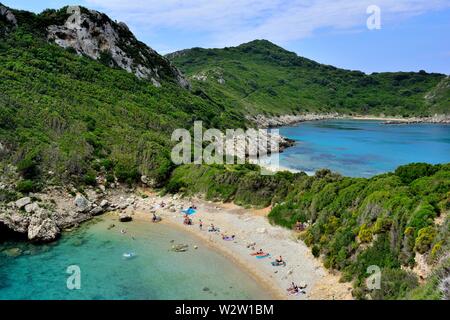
[13, 252]
[125, 217]
[97, 211]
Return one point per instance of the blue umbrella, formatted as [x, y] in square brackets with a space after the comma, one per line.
[189, 211]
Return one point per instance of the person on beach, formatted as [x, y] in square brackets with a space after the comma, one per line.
[299, 226]
[187, 221]
[200, 225]
[279, 260]
[260, 252]
[227, 238]
[293, 289]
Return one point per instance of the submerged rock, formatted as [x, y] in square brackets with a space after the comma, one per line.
[13, 252]
[180, 248]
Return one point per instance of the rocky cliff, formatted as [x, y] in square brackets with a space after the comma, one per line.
[95, 35]
[8, 20]
[41, 217]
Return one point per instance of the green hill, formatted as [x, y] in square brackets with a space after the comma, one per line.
[260, 77]
[75, 116]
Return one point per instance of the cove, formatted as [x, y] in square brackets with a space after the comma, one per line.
[39, 272]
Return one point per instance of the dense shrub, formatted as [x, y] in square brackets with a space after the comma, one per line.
[395, 284]
[26, 186]
[315, 251]
[425, 239]
[414, 171]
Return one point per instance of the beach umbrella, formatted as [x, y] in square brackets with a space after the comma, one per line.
[189, 211]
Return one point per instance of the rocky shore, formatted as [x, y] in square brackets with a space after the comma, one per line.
[41, 217]
[262, 121]
[437, 119]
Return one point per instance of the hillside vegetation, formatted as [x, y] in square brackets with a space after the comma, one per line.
[67, 117]
[354, 223]
[260, 77]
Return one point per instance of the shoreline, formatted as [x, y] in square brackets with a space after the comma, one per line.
[262, 121]
[290, 120]
[247, 225]
[275, 293]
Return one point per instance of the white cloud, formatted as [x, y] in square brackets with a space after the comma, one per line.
[231, 22]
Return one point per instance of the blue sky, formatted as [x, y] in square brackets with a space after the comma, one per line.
[414, 34]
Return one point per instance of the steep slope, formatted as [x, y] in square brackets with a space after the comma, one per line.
[94, 34]
[65, 116]
[260, 77]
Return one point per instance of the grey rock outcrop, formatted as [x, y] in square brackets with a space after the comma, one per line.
[39, 227]
[7, 16]
[32, 207]
[95, 35]
[15, 221]
[149, 182]
[97, 211]
[82, 204]
[21, 203]
[42, 228]
[263, 121]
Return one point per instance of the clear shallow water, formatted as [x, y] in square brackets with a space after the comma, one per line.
[363, 148]
[155, 273]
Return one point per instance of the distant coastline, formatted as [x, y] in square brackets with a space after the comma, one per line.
[262, 121]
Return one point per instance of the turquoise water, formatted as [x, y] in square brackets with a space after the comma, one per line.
[155, 273]
[363, 148]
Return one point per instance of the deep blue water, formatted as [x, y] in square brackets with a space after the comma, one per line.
[363, 148]
[155, 273]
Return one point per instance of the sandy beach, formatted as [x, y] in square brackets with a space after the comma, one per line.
[250, 226]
